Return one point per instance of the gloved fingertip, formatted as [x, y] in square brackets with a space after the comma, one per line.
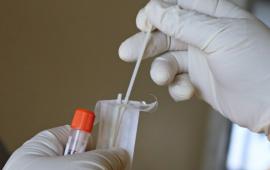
[181, 89]
[154, 11]
[160, 74]
[149, 9]
[61, 133]
[180, 95]
[142, 22]
[124, 52]
[163, 70]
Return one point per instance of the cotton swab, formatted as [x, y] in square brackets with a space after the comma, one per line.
[130, 87]
[137, 66]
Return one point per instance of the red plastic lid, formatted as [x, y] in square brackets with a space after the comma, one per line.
[83, 120]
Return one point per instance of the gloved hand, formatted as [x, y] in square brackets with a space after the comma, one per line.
[212, 47]
[44, 152]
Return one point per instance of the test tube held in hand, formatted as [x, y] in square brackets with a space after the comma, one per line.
[81, 128]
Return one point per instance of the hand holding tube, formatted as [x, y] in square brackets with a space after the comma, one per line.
[45, 151]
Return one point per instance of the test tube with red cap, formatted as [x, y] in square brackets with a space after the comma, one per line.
[81, 128]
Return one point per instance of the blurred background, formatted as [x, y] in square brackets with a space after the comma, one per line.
[59, 55]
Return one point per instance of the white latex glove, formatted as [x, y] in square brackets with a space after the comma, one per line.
[44, 152]
[211, 47]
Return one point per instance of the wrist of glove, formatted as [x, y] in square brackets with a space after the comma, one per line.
[213, 49]
[45, 151]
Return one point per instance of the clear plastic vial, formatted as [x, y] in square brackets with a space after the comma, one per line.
[81, 128]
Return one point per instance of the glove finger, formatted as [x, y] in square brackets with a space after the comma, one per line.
[159, 43]
[61, 133]
[95, 160]
[216, 8]
[191, 27]
[142, 22]
[47, 143]
[167, 66]
[173, 2]
[116, 159]
[181, 88]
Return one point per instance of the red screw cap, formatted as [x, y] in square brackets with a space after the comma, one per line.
[83, 120]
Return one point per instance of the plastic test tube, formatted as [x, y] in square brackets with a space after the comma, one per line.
[81, 127]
